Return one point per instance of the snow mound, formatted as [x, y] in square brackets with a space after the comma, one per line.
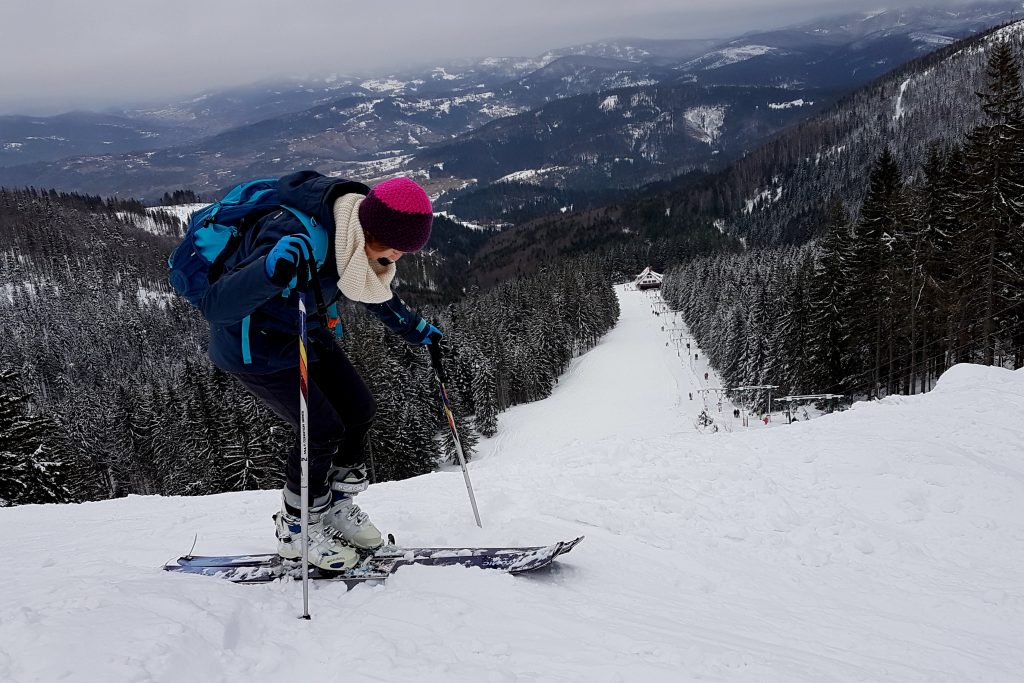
[987, 380]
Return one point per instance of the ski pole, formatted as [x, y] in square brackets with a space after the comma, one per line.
[310, 265]
[435, 362]
[304, 450]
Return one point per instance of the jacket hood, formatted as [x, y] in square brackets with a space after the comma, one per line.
[314, 193]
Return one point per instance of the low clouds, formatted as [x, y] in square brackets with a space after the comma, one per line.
[62, 54]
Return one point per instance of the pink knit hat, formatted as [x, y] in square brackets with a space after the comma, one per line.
[397, 213]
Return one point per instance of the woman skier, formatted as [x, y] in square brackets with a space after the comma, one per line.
[252, 309]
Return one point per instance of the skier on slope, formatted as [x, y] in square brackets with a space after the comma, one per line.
[254, 336]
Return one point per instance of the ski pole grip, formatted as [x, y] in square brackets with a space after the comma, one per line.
[435, 360]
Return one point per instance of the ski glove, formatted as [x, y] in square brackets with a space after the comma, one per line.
[431, 335]
[284, 260]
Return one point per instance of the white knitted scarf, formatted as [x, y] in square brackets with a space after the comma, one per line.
[359, 278]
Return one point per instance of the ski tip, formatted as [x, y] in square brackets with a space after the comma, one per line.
[565, 546]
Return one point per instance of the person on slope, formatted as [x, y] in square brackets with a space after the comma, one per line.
[252, 309]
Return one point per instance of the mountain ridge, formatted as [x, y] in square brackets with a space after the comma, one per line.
[448, 101]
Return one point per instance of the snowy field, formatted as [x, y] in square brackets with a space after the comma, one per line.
[881, 544]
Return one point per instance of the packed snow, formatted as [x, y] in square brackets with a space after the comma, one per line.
[439, 72]
[879, 544]
[533, 176]
[463, 223]
[152, 297]
[729, 55]
[789, 105]
[500, 111]
[383, 85]
[706, 122]
[28, 290]
[898, 114]
[180, 211]
[388, 163]
[932, 41]
[764, 197]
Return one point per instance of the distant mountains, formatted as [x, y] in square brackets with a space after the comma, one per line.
[576, 121]
[845, 50]
[28, 139]
[778, 193]
[622, 138]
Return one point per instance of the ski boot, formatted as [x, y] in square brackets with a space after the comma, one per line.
[344, 516]
[327, 550]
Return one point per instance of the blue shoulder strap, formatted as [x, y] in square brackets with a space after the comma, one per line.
[318, 239]
[317, 234]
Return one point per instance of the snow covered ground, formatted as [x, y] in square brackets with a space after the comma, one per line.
[180, 211]
[881, 544]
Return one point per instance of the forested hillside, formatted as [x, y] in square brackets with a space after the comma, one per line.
[915, 264]
[106, 390]
[780, 192]
[930, 273]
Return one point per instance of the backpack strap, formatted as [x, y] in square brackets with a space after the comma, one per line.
[317, 233]
[317, 242]
[318, 292]
[247, 221]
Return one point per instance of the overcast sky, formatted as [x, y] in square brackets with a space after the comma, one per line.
[57, 55]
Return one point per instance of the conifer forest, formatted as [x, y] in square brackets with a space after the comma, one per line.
[106, 390]
[930, 273]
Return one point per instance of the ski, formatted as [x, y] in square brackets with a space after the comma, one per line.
[376, 567]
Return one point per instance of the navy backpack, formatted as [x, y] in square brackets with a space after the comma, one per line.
[214, 232]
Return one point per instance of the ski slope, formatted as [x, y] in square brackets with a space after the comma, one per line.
[880, 544]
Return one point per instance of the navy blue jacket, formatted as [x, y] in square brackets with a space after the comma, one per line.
[254, 326]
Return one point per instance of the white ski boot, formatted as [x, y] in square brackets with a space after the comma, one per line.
[344, 516]
[327, 550]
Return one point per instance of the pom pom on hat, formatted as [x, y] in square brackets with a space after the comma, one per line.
[397, 213]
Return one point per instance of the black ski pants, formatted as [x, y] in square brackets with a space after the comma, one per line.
[341, 411]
